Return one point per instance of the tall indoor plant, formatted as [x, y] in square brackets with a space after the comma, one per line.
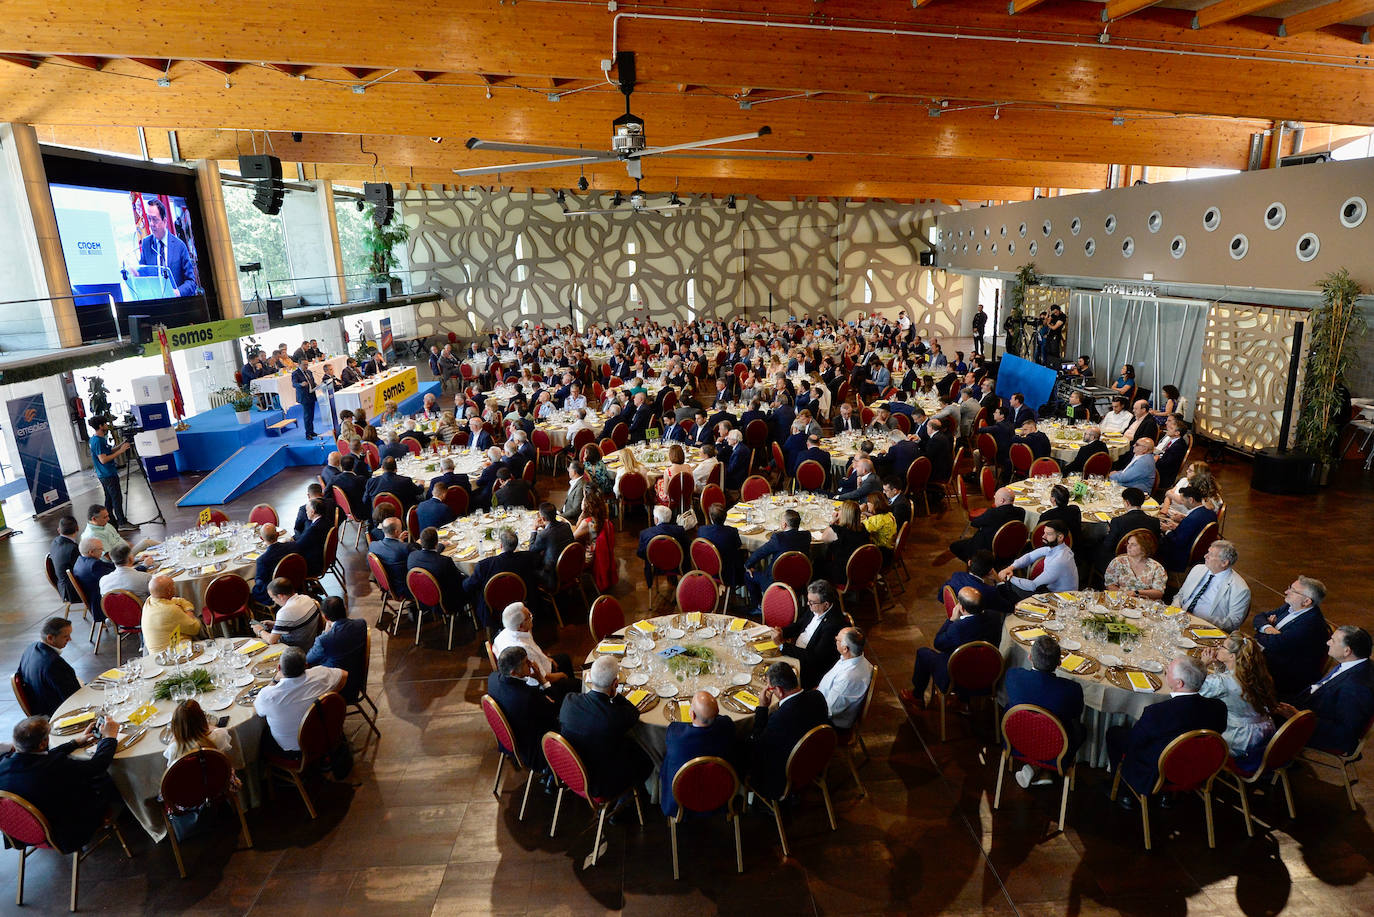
[1026, 277]
[1334, 327]
[381, 242]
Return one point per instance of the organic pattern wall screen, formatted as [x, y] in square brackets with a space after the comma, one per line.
[1245, 360]
[812, 256]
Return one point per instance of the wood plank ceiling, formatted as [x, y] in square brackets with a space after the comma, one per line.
[971, 100]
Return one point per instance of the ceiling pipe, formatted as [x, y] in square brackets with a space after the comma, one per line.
[1299, 132]
[1254, 161]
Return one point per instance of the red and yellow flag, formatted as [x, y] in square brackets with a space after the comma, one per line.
[178, 407]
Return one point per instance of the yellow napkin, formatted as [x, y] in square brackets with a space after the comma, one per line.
[75, 719]
[644, 627]
[637, 696]
[1071, 662]
[611, 648]
[273, 652]
[1064, 595]
[1151, 504]
[143, 714]
[1173, 610]
[1209, 633]
[252, 556]
[1031, 634]
[684, 711]
[1139, 682]
[747, 698]
[252, 646]
[112, 674]
[766, 646]
[1104, 517]
[694, 618]
[205, 571]
[738, 624]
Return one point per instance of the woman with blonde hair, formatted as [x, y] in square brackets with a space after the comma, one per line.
[879, 522]
[191, 731]
[1243, 682]
[447, 428]
[1199, 475]
[628, 462]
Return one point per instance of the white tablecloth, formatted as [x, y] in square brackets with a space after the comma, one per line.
[1102, 504]
[191, 572]
[371, 394]
[466, 540]
[279, 384]
[757, 520]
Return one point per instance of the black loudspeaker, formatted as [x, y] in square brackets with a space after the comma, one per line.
[273, 311]
[382, 197]
[269, 196]
[260, 167]
[140, 329]
[928, 258]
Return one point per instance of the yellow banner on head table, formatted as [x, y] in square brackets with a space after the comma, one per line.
[396, 388]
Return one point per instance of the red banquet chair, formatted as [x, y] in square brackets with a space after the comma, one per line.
[424, 590]
[194, 781]
[711, 494]
[1032, 735]
[26, 829]
[754, 486]
[508, 749]
[861, 575]
[572, 775]
[292, 567]
[1045, 468]
[809, 476]
[263, 513]
[1282, 749]
[124, 610]
[605, 617]
[217, 517]
[501, 590]
[1188, 764]
[349, 516]
[917, 480]
[706, 558]
[1009, 541]
[974, 671]
[1021, 460]
[664, 554]
[701, 786]
[631, 490]
[388, 594]
[794, 569]
[780, 605]
[571, 565]
[805, 765]
[226, 599]
[1098, 465]
[320, 733]
[698, 592]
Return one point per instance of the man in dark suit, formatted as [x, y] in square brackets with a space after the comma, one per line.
[940, 450]
[428, 556]
[393, 551]
[791, 537]
[1062, 697]
[901, 453]
[1172, 450]
[898, 503]
[1175, 546]
[486, 481]
[88, 570]
[450, 479]
[353, 485]
[641, 419]
[530, 710]
[332, 466]
[701, 432]
[65, 550]
[662, 526]
[511, 560]
[376, 364]
[814, 453]
[1020, 413]
[510, 491]
[672, 430]
[162, 250]
[1294, 636]
[793, 445]
[1135, 749]
[755, 412]
[812, 639]
[1134, 518]
[988, 399]
[863, 481]
[393, 448]
[267, 562]
[969, 623]
[613, 419]
[328, 510]
[1092, 445]
[1143, 427]
[847, 421]
[783, 415]
[74, 795]
[1030, 436]
[597, 724]
[550, 538]
[986, 524]
[777, 731]
[737, 465]
[434, 512]
[1344, 698]
[389, 482]
[727, 543]
[310, 543]
[47, 677]
[304, 382]
[982, 576]
[478, 437]
[708, 735]
[341, 645]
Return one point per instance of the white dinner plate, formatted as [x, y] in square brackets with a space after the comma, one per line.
[1186, 643]
[1110, 660]
[1150, 665]
[751, 658]
[706, 633]
[667, 689]
[243, 678]
[712, 690]
[159, 719]
[150, 669]
[1131, 613]
[220, 700]
[628, 663]
[674, 633]
[1053, 624]
[637, 679]
[1070, 644]
[740, 678]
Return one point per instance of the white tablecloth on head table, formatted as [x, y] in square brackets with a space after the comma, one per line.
[640, 663]
[1102, 504]
[757, 520]
[371, 394]
[279, 383]
[1066, 440]
[191, 572]
[137, 770]
[466, 540]
[1162, 626]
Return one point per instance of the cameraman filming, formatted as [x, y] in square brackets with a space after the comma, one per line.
[107, 470]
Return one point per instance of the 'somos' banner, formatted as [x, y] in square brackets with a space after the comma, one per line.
[37, 454]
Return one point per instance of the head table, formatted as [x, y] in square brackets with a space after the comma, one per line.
[1116, 647]
[236, 668]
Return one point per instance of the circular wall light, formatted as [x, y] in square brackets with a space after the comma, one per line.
[1353, 212]
[1308, 246]
[1058, 247]
[1154, 221]
[1046, 228]
[1274, 215]
[1033, 247]
[1239, 247]
[1075, 225]
[1211, 218]
[1022, 230]
[1178, 246]
[1089, 247]
[1127, 247]
[1110, 223]
[1011, 248]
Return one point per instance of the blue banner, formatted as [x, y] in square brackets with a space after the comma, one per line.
[387, 341]
[37, 453]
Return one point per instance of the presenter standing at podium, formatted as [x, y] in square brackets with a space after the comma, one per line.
[304, 381]
[165, 251]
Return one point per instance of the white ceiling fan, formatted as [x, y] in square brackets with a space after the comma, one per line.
[628, 145]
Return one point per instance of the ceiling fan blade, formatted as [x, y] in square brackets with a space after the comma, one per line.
[529, 166]
[498, 146]
[761, 157]
[587, 213]
[698, 144]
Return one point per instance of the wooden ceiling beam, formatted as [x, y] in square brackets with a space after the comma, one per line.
[83, 60]
[1226, 10]
[31, 61]
[1120, 9]
[221, 66]
[1327, 14]
[1020, 6]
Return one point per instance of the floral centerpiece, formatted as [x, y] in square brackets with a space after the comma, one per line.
[693, 660]
[1110, 627]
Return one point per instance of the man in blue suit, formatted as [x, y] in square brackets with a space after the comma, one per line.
[790, 537]
[737, 465]
[1140, 470]
[163, 250]
[754, 413]
[1062, 697]
[1135, 749]
[982, 576]
[814, 453]
[434, 512]
[530, 710]
[479, 438]
[1019, 412]
[672, 430]
[701, 433]
[341, 645]
[388, 481]
[1175, 546]
[267, 562]
[429, 557]
[88, 570]
[450, 478]
[662, 526]
[901, 453]
[783, 415]
[1293, 637]
[969, 623]
[727, 543]
[304, 381]
[394, 552]
[1344, 698]
[708, 735]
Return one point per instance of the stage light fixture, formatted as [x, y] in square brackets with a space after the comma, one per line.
[617, 199]
[675, 201]
[583, 184]
[730, 203]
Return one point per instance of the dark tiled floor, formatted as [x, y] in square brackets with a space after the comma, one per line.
[421, 833]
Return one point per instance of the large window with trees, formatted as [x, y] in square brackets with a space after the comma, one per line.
[258, 237]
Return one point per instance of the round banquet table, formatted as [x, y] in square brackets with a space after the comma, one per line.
[137, 770]
[642, 669]
[1066, 439]
[757, 520]
[425, 466]
[465, 538]
[1102, 504]
[1108, 695]
[191, 572]
[844, 446]
[654, 458]
[558, 423]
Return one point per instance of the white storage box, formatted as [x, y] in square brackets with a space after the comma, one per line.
[156, 442]
[152, 389]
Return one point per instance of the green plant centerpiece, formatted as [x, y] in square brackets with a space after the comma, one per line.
[693, 660]
[1334, 328]
[1079, 492]
[1110, 627]
[196, 678]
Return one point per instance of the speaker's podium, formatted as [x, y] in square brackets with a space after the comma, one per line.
[149, 281]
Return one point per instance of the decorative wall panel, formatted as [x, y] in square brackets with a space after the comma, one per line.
[1039, 299]
[502, 258]
[1245, 360]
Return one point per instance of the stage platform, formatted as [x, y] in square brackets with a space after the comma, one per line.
[243, 456]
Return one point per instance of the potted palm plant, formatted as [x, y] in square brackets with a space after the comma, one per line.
[1334, 328]
[381, 242]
